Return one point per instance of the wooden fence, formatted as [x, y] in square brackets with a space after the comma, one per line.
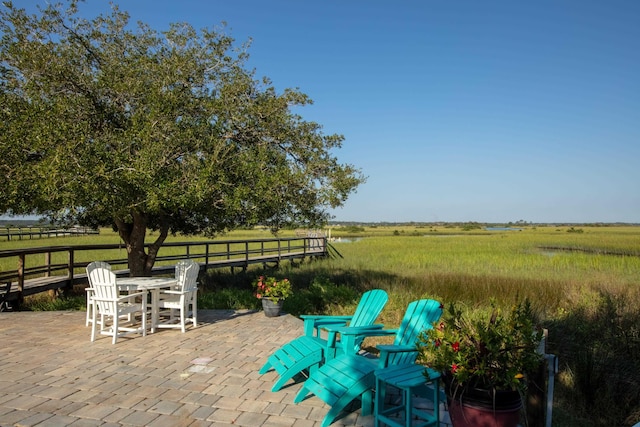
[30, 233]
[61, 267]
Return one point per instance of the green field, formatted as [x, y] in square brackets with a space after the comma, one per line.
[584, 282]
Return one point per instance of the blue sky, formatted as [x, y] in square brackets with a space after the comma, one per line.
[460, 110]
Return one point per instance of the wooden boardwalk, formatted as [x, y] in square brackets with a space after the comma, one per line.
[35, 280]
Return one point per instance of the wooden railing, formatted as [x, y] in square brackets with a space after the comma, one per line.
[58, 267]
[30, 233]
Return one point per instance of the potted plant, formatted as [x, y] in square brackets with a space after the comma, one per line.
[272, 292]
[484, 360]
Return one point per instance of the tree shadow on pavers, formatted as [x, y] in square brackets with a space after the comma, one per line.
[209, 317]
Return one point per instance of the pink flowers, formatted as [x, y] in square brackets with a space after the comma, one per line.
[270, 287]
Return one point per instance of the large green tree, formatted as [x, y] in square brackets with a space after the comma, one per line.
[105, 123]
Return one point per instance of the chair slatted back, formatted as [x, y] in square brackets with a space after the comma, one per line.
[103, 282]
[419, 316]
[369, 307]
[187, 275]
[96, 264]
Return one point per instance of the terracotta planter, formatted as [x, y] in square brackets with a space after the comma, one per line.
[472, 407]
[271, 309]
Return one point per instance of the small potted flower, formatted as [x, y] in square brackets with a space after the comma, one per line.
[484, 360]
[272, 292]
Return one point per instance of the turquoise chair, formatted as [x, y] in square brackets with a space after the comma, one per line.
[307, 352]
[350, 376]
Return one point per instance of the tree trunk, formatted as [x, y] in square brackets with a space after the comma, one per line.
[133, 235]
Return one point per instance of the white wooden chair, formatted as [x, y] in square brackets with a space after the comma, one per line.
[180, 303]
[92, 266]
[111, 306]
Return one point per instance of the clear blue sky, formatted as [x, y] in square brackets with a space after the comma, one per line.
[461, 110]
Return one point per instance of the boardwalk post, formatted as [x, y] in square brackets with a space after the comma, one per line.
[71, 264]
[21, 260]
[229, 256]
[47, 261]
[264, 264]
[246, 256]
[206, 257]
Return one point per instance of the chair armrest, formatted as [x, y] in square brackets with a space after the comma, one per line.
[362, 331]
[121, 298]
[323, 316]
[131, 296]
[352, 335]
[355, 330]
[396, 348]
[387, 350]
[313, 322]
[174, 292]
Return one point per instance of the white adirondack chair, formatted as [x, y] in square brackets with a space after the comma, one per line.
[180, 304]
[111, 306]
[92, 266]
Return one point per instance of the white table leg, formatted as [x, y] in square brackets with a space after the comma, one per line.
[155, 301]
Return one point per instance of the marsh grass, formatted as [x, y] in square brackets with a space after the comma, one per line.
[587, 297]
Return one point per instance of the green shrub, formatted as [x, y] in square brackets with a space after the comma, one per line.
[598, 343]
[44, 302]
[234, 299]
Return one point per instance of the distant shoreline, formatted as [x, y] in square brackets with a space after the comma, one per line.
[40, 222]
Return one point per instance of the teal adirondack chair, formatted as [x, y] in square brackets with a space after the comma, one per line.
[307, 352]
[349, 376]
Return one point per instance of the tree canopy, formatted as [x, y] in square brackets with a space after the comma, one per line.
[104, 123]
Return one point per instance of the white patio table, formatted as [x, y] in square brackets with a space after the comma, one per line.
[152, 286]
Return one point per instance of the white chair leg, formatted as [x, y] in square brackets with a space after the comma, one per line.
[194, 314]
[115, 328]
[144, 319]
[89, 309]
[93, 325]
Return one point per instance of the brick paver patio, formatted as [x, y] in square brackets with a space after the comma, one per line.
[52, 375]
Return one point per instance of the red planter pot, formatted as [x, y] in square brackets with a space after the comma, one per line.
[472, 407]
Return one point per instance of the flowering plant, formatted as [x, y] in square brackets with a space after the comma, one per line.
[275, 290]
[494, 353]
